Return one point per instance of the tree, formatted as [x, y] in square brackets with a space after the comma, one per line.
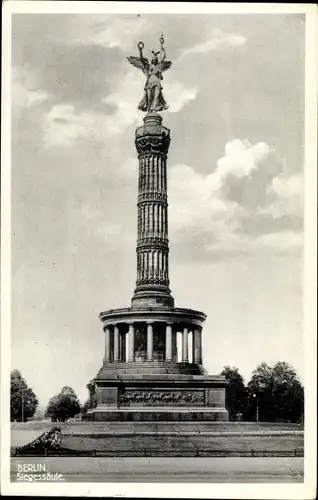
[91, 400]
[23, 401]
[63, 406]
[235, 392]
[276, 394]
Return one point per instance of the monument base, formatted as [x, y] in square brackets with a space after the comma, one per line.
[124, 396]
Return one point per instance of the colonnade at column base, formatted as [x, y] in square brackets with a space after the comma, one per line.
[148, 333]
[158, 375]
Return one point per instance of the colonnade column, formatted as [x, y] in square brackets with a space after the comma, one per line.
[200, 345]
[149, 341]
[107, 345]
[122, 347]
[174, 344]
[131, 342]
[194, 338]
[116, 343]
[168, 342]
[197, 347]
[185, 356]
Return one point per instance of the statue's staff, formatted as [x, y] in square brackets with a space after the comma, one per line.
[140, 47]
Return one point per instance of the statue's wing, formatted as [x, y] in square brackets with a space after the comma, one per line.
[164, 65]
[138, 63]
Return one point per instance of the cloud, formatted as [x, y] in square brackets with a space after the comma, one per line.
[230, 210]
[287, 240]
[219, 41]
[130, 90]
[25, 91]
[245, 172]
[241, 158]
[125, 100]
[64, 125]
[192, 200]
[288, 195]
[113, 31]
[178, 96]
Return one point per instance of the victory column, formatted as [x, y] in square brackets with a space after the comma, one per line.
[142, 377]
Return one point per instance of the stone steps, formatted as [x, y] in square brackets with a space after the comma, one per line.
[182, 444]
[178, 427]
[152, 367]
[179, 439]
[160, 426]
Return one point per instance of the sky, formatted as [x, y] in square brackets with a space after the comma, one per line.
[235, 185]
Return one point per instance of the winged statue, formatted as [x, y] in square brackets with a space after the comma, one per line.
[153, 99]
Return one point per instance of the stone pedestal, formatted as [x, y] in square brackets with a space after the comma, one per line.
[169, 397]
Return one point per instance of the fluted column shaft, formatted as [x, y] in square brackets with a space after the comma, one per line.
[152, 226]
[152, 144]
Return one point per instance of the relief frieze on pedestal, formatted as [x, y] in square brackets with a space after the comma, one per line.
[185, 397]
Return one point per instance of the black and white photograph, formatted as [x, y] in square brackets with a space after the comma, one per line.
[158, 200]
